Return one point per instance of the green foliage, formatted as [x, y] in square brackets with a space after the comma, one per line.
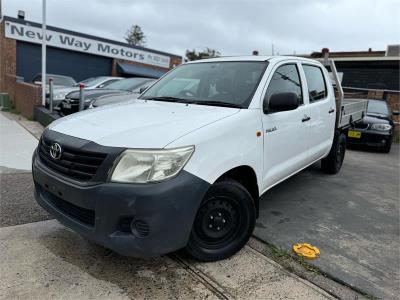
[206, 53]
[135, 36]
[281, 254]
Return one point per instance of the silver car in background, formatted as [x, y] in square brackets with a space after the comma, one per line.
[119, 98]
[91, 83]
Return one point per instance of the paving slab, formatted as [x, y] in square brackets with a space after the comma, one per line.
[353, 217]
[251, 275]
[16, 145]
[45, 260]
[33, 127]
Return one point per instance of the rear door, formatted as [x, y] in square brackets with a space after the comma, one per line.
[285, 133]
[322, 109]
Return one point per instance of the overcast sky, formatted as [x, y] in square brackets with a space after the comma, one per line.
[231, 27]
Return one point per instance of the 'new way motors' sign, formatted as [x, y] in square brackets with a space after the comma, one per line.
[67, 41]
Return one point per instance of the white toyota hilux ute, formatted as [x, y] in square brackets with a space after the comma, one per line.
[184, 166]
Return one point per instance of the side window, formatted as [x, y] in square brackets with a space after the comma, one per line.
[286, 79]
[316, 83]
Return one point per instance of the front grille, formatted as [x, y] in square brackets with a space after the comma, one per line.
[84, 215]
[73, 163]
[361, 126]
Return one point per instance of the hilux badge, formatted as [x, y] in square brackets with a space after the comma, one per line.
[55, 151]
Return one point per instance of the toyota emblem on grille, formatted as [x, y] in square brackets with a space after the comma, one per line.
[55, 151]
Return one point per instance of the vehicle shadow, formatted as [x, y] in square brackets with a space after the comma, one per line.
[365, 148]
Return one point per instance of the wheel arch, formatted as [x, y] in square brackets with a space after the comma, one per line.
[248, 178]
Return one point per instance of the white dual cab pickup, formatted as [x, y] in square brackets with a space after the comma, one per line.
[184, 166]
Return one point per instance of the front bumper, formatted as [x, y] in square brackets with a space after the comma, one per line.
[68, 107]
[162, 213]
[371, 138]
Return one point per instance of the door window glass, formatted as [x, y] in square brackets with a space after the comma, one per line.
[315, 82]
[286, 79]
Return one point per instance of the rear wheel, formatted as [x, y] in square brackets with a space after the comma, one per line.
[333, 162]
[224, 222]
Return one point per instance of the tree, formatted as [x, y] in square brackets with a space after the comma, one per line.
[135, 36]
[206, 53]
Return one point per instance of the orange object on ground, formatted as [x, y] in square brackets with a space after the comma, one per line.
[306, 250]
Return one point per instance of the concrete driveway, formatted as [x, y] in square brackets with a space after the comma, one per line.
[353, 217]
[16, 146]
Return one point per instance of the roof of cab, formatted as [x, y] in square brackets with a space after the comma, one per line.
[251, 58]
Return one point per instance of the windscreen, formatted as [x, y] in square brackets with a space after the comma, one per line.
[61, 80]
[210, 82]
[127, 84]
[377, 107]
[92, 81]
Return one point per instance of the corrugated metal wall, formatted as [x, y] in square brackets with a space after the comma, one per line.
[370, 74]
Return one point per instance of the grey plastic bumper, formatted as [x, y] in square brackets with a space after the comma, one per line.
[168, 209]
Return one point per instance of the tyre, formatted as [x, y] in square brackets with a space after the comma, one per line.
[388, 146]
[333, 162]
[224, 222]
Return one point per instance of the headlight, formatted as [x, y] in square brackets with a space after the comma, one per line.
[59, 96]
[141, 166]
[381, 127]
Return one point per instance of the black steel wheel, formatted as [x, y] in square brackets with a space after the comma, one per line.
[333, 162]
[224, 222]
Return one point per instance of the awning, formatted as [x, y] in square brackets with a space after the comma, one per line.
[140, 71]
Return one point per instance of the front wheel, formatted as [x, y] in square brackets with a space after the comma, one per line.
[224, 222]
[333, 162]
[388, 146]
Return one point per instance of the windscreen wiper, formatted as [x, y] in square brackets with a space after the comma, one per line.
[193, 101]
[167, 98]
[217, 103]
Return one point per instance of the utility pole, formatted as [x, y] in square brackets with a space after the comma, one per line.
[43, 52]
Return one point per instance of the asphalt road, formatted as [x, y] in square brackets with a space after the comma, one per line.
[353, 217]
[17, 204]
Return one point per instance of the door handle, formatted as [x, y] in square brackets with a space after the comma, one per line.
[331, 111]
[305, 119]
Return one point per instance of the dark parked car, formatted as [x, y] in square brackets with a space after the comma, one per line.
[125, 86]
[376, 129]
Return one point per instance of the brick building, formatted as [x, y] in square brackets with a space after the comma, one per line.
[68, 53]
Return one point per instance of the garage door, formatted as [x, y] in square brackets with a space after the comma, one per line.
[76, 64]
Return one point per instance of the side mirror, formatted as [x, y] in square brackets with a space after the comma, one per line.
[281, 102]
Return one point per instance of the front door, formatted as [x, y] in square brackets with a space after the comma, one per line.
[285, 133]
